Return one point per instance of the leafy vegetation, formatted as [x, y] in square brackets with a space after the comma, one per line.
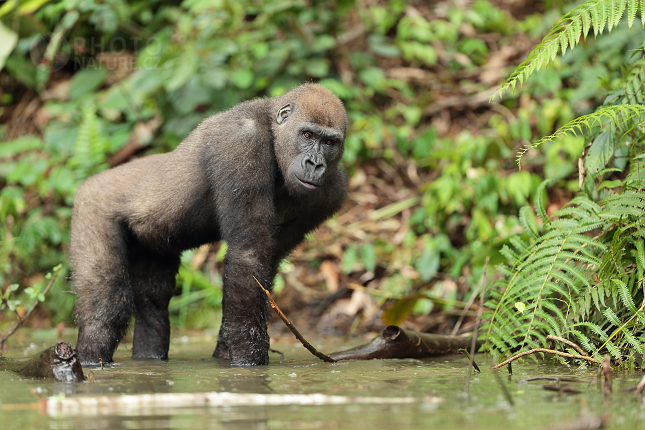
[580, 275]
[434, 188]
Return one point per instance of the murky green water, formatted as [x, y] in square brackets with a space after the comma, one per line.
[22, 402]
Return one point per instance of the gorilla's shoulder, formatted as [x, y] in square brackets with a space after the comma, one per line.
[247, 121]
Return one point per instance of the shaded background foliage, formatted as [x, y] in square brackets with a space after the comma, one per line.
[434, 186]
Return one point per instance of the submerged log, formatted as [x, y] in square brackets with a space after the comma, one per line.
[396, 342]
[58, 362]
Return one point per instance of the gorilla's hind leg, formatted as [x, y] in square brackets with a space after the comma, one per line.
[153, 282]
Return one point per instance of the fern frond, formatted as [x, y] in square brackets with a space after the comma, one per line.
[89, 147]
[638, 346]
[543, 275]
[625, 295]
[540, 198]
[619, 115]
[582, 340]
[558, 270]
[525, 221]
[566, 32]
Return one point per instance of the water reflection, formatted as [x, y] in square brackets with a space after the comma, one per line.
[486, 406]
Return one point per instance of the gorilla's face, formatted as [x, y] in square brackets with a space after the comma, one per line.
[315, 148]
[309, 138]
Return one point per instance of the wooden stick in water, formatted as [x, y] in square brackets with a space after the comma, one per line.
[294, 330]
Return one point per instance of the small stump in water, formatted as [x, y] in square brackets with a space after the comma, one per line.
[58, 362]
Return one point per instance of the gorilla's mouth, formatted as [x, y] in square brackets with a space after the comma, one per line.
[309, 185]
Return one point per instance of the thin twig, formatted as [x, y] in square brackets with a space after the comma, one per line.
[295, 331]
[550, 351]
[482, 289]
[30, 311]
[467, 354]
[465, 311]
[568, 342]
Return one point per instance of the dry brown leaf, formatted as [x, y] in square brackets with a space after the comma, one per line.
[329, 272]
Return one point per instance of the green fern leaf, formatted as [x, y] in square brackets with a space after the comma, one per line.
[632, 5]
[613, 351]
[552, 51]
[610, 7]
[563, 42]
[595, 21]
[540, 199]
[604, 337]
[620, 7]
[640, 261]
[525, 218]
[601, 293]
[576, 31]
[629, 113]
[595, 298]
[583, 341]
[571, 33]
[625, 295]
[638, 346]
[573, 272]
[518, 243]
[586, 22]
[611, 316]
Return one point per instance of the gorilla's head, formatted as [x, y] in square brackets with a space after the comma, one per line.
[309, 129]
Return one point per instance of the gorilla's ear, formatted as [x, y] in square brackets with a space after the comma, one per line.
[284, 113]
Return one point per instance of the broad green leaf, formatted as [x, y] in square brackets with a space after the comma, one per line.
[521, 307]
[600, 152]
[9, 40]
[86, 81]
[428, 263]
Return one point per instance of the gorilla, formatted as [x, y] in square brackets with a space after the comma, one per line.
[259, 176]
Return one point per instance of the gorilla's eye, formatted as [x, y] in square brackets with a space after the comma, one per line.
[307, 134]
[329, 142]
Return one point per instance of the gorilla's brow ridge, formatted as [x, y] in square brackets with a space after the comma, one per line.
[322, 131]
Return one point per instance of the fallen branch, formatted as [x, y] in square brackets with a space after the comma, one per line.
[549, 351]
[33, 308]
[294, 330]
[568, 342]
[396, 342]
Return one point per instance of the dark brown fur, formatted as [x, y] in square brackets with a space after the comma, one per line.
[237, 177]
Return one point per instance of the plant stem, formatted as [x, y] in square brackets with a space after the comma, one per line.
[30, 311]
